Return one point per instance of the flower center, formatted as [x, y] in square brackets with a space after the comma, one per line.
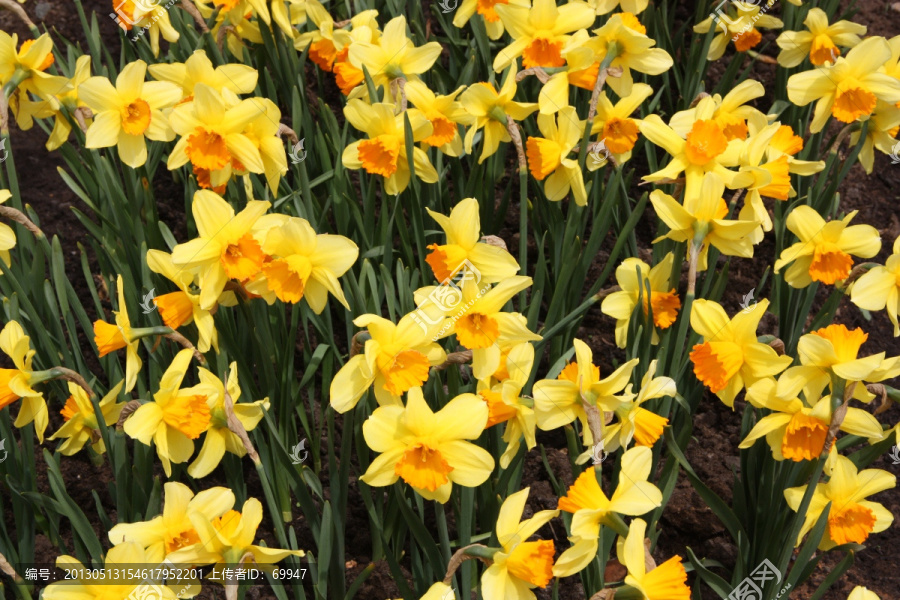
[543, 52]
[487, 10]
[183, 539]
[570, 373]
[347, 76]
[823, 50]
[532, 562]
[804, 438]
[852, 102]
[323, 54]
[747, 39]
[586, 79]
[444, 132]
[476, 330]
[648, 426]
[423, 467]
[7, 396]
[498, 410]
[715, 363]
[108, 337]
[70, 409]
[584, 493]
[734, 128]
[619, 135]
[785, 141]
[780, 186]
[207, 150]
[446, 261]
[408, 369]
[851, 524]
[665, 307]
[45, 64]
[631, 22]
[136, 117]
[287, 277]
[667, 581]
[846, 342]
[830, 264]
[187, 414]
[379, 155]
[243, 259]
[543, 156]
[175, 308]
[705, 142]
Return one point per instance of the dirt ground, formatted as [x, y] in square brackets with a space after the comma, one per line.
[686, 521]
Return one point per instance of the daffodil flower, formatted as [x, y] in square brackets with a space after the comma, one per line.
[487, 9]
[288, 13]
[394, 56]
[396, 358]
[27, 67]
[445, 114]
[796, 428]
[633, 276]
[91, 588]
[581, 70]
[506, 404]
[540, 31]
[240, 79]
[212, 139]
[520, 565]
[463, 231]
[636, 422]
[631, 50]
[225, 247]
[851, 517]
[614, 126]
[174, 418]
[129, 113]
[820, 43]
[825, 250]
[730, 357]
[8, 235]
[604, 7]
[385, 152]
[325, 41]
[662, 582]
[363, 28]
[591, 507]
[490, 109]
[219, 437]
[235, 21]
[172, 530]
[81, 421]
[850, 87]
[879, 288]
[703, 220]
[559, 402]
[884, 125]
[149, 17]
[17, 382]
[62, 127]
[740, 26]
[226, 540]
[438, 591]
[304, 265]
[428, 450]
[548, 155]
[109, 338]
[730, 112]
[861, 593]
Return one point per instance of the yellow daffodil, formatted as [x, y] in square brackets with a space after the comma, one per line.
[212, 139]
[81, 423]
[739, 25]
[445, 114]
[325, 41]
[604, 7]
[8, 235]
[394, 56]
[17, 382]
[730, 112]
[174, 418]
[506, 404]
[219, 437]
[385, 152]
[591, 507]
[304, 265]
[439, 591]
[581, 70]
[396, 358]
[730, 357]
[490, 109]
[615, 127]
[834, 350]
[622, 36]
[861, 593]
[825, 250]
[109, 338]
[540, 31]
[235, 21]
[225, 247]
[94, 588]
[884, 125]
[62, 127]
[796, 428]
[548, 155]
[820, 43]
[851, 517]
[487, 9]
[785, 143]
[892, 66]
[704, 149]
[172, 530]
[264, 133]
[288, 13]
[226, 540]
[129, 113]
[428, 450]
[520, 565]
[635, 422]
[463, 231]
[145, 17]
[879, 288]
[240, 79]
[634, 276]
[850, 87]
[704, 214]
[660, 582]
[363, 28]
[558, 402]
[27, 66]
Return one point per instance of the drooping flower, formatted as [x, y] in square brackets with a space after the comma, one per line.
[520, 565]
[739, 25]
[29, 65]
[145, 17]
[8, 236]
[879, 288]
[81, 422]
[394, 55]
[614, 126]
[730, 357]
[881, 134]
[730, 112]
[17, 382]
[820, 43]
[636, 422]
[445, 114]
[240, 79]
[662, 582]
[633, 51]
[851, 518]
[428, 450]
[825, 250]
[109, 338]
[591, 507]
[69, 99]
[548, 156]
